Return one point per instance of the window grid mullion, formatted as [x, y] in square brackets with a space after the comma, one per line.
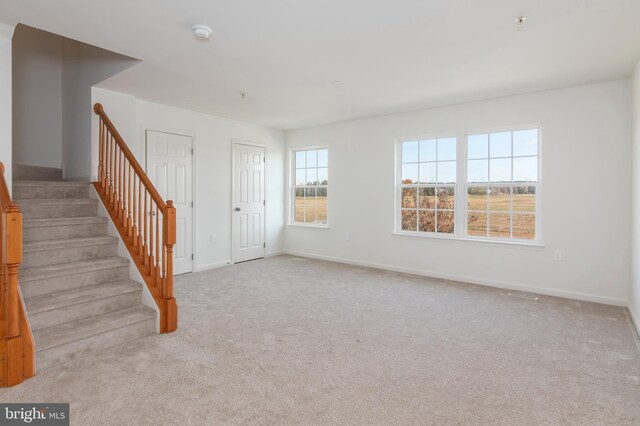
[511, 193]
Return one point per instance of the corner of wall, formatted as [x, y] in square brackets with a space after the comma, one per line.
[634, 287]
[6, 133]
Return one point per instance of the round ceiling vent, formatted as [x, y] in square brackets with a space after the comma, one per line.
[202, 32]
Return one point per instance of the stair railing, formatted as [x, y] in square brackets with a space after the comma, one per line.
[18, 349]
[146, 223]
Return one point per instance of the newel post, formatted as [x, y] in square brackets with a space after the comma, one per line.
[170, 322]
[13, 341]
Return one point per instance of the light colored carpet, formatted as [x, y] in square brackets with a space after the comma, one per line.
[294, 341]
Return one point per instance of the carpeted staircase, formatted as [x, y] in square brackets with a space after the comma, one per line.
[77, 291]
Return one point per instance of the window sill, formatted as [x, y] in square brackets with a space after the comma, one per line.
[472, 240]
[308, 225]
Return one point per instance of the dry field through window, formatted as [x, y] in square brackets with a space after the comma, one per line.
[487, 215]
[315, 208]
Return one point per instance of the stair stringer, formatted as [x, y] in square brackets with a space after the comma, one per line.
[134, 274]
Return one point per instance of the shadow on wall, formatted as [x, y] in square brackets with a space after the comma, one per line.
[52, 80]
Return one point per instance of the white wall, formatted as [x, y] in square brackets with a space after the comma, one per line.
[634, 291]
[82, 67]
[6, 32]
[37, 104]
[586, 175]
[52, 99]
[212, 141]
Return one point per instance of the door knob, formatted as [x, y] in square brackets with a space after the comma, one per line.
[237, 209]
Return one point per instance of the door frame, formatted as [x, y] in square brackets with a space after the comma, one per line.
[235, 142]
[192, 135]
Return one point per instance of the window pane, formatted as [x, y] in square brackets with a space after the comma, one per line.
[321, 199]
[500, 144]
[409, 173]
[428, 150]
[524, 199]
[312, 176]
[301, 162]
[525, 142]
[477, 224]
[301, 177]
[524, 226]
[478, 171]
[477, 198]
[427, 221]
[409, 220]
[447, 172]
[499, 225]
[323, 176]
[525, 169]
[409, 198]
[310, 205]
[445, 222]
[446, 199]
[312, 158]
[500, 199]
[428, 172]
[427, 198]
[298, 207]
[310, 213]
[478, 146]
[446, 149]
[323, 158]
[410, 152]
[501, 170]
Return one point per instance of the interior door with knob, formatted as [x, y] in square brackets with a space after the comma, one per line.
[248, 202]
[169, 166]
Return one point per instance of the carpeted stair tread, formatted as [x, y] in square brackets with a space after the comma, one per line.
[36, 246]
[65, 221]
[72, 268]
[59, 335]
[27, 172]
[61, 299]
[49, 183]
[57, 201]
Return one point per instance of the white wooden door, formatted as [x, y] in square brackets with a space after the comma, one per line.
[169, 166]
[249, 202]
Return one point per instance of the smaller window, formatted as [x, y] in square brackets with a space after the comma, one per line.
[310, 174]
[427, 185]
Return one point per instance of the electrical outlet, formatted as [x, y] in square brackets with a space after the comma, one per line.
[557, 255]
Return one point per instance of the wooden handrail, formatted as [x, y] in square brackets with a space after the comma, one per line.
[17, 345]
[146, 223]
[98, 109]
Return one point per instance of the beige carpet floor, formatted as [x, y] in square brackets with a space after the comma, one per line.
[293, 341]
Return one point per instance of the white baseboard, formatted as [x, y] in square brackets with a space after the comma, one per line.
[470, 280]
[634, 320]
[216, 265]
[209, 266]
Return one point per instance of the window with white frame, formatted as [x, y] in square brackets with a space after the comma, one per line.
[310, 170]
[427, 185]
[491, 193]
[502, 184]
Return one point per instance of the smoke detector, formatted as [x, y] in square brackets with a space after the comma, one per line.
[202, 32]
